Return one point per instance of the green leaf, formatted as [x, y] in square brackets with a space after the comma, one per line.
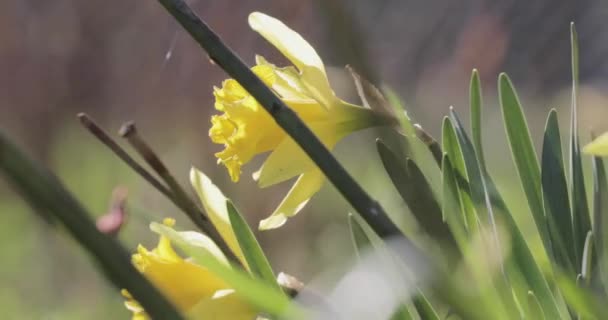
[402, 313]
[414, 147]
[580, 211]
[416, 192]
[453, 208]
[257, 261]
[555, 196]
[600, 217]
[477, 183]
[424, 308]
[523, 154]
[581, 300]
[259, 293]
[430, 143]
[475, 104]
[451, 147]
[535, 311]
[520, 250]
[395, 102]
[587, 262]
[525, 261]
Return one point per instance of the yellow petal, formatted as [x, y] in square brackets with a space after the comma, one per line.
[289, 160]
[289, 42]
[299, 52]
[598, 147]
[214, 202]
[183, 282]
[304, 188]
[287, 84]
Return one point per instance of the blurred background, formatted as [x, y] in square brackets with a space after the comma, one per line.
[127, 60]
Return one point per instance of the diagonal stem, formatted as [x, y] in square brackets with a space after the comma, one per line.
[179, 196]
[44, 192]
[183, 202]
[368, 208]
[103, 136]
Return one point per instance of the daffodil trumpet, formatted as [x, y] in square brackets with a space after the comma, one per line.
[246, 129]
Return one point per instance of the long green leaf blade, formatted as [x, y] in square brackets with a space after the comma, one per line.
[580, 211]
[475, 103]
[256, 259]
[582, 301]
[521, 252]
[452, 148]
[416, 192]
[477, 183]
[453, 208]
[424, 308]
[525, 261]
[535, 311]
[523, 154]
[600, 217]
[555, 196]
[402, 313]
[587, 262]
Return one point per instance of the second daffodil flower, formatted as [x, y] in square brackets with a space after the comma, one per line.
[246, 129]
[196, 291]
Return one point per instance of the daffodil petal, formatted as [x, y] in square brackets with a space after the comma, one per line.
[214, 202]
[304, 188]
[285, 162]
[598, 147]
[299, 52]
[183, 282]
[289, 160]
[287, 84]
[289, 42]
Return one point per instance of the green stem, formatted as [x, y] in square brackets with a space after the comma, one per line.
[180, 197]
[102, 136]
[286, 118]
[44, 192]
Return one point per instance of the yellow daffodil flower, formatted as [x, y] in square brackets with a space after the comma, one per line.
[194, 290]
[246, 129]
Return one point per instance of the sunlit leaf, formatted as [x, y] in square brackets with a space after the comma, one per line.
[555, 196]
[523, 154]
[451, 147]
[415, 190]
[600, 217]
[424, 308]
[580, 300]
[475, 104]
[256, 259]
[580, 211]
[535, 311]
